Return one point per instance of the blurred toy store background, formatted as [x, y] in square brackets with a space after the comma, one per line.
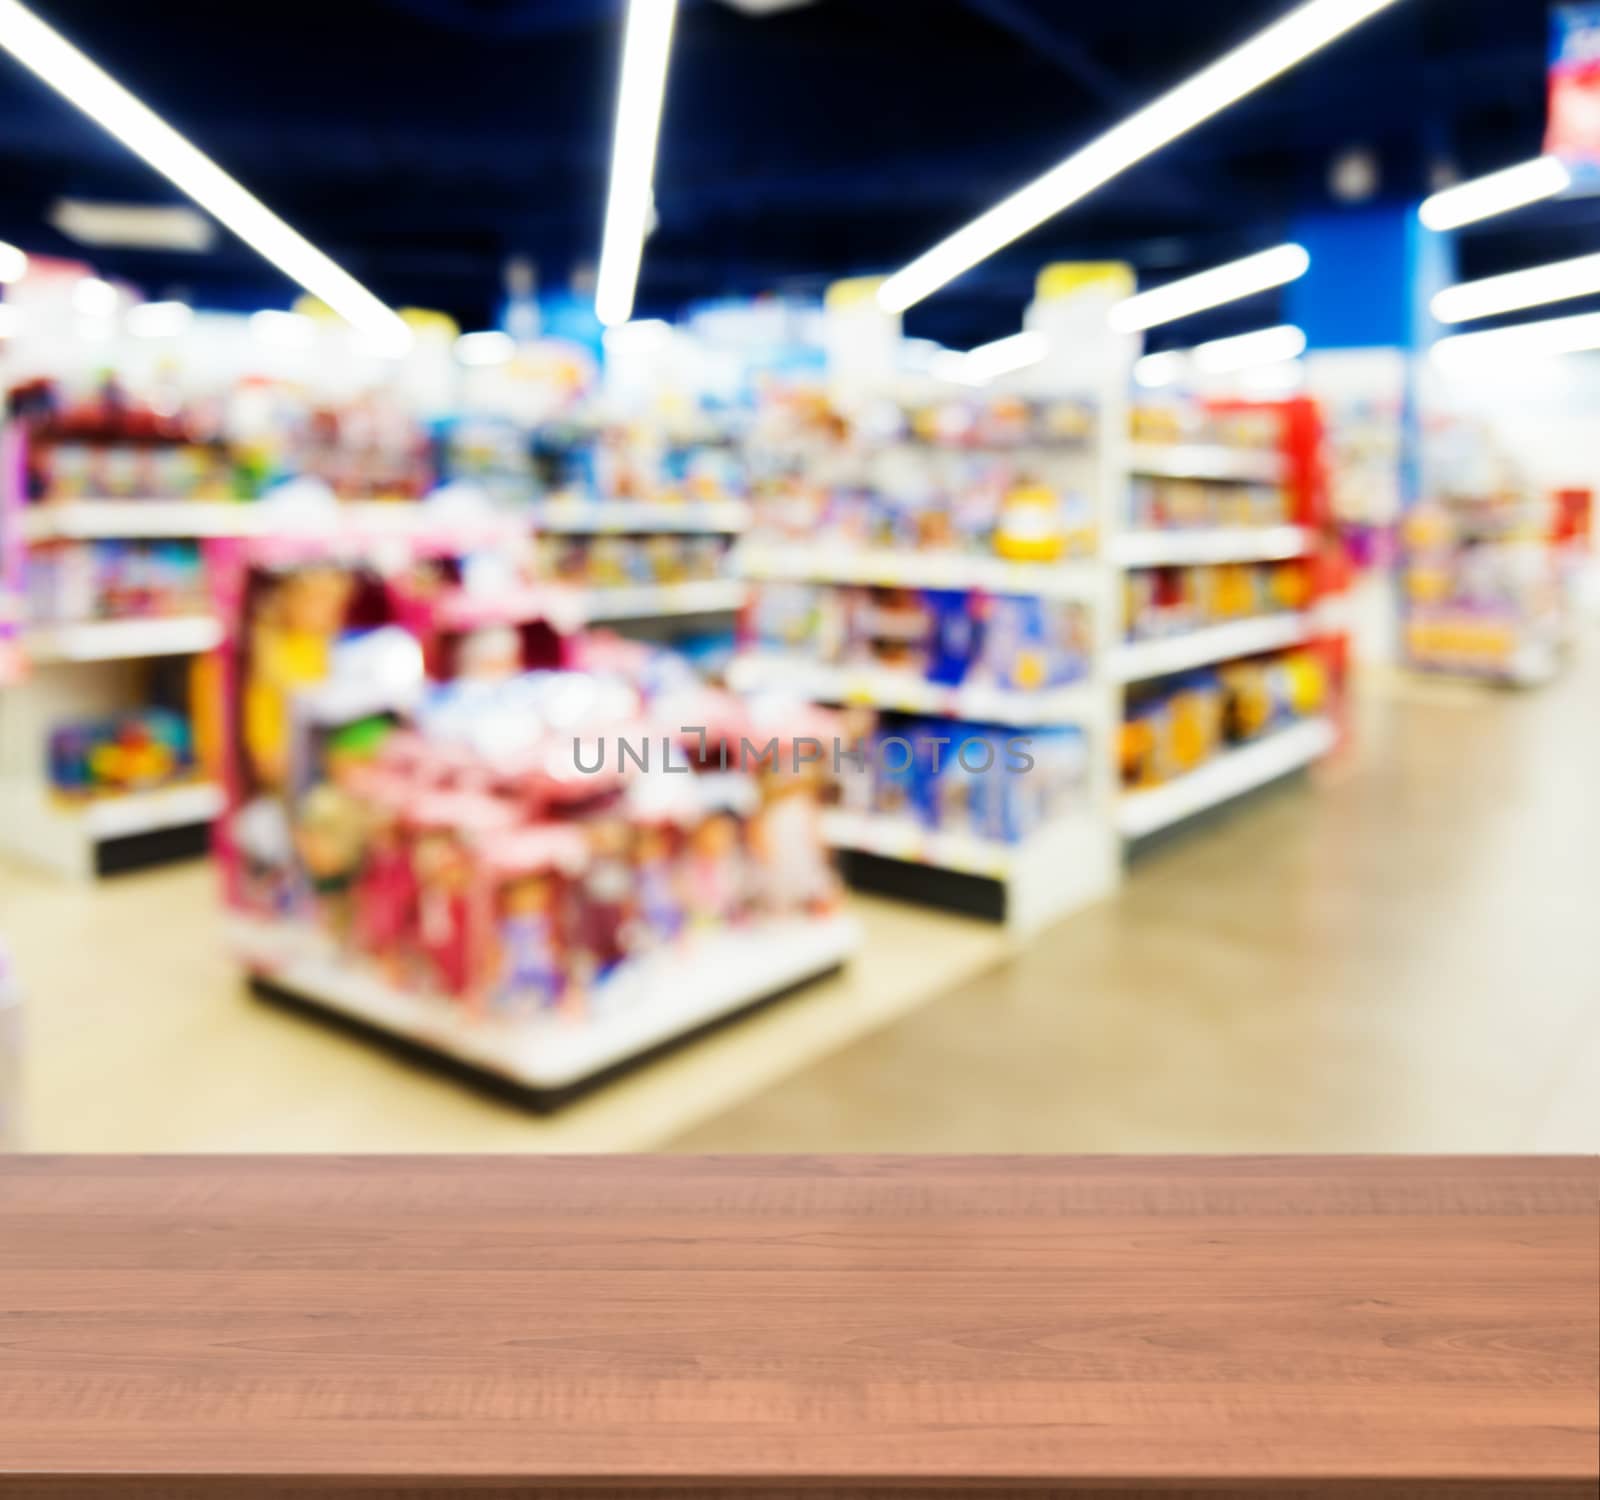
[559, 592]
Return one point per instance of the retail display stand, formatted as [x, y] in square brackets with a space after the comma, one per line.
[1244, 504]
[1254, 508]
[88, 669]
[375, 886]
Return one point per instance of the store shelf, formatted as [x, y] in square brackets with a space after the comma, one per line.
[1229, 775]
[146, 812]
[928, 570]
[1198, 648]
[1145, 549]
[84, 520]
[587, 517]
[1207, 461]
[659, 999]
[123, 640]
[650, 601]
[907, 840]
[886, 688]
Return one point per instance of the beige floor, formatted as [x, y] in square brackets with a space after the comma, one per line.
[1406, 958]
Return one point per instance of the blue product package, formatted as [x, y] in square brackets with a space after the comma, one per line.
[953, 639]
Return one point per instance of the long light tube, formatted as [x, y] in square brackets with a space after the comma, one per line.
[92, 90]
[13, 263]
[1306, 29]
[1266, 346]
[1517, 289]
[646, 48]
[988, 362]
[1239, 278]
[1503, 346]
[1498, 193]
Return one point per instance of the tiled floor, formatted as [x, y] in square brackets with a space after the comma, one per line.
[1404, 958]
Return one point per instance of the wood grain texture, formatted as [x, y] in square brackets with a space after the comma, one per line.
[431, 1326]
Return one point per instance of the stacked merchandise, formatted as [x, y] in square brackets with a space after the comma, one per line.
[640, 516]
[1172, 601]
[969, 476]
[1220, 568]
[1483, 584]
[1176, 726]
[69, 582]
[138, 749]
[110, 487]
[537, 853]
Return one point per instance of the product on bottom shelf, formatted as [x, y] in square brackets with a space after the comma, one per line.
[979, 781]
[149, 747]
[68, 582]
[949, 637]
[1176, 725]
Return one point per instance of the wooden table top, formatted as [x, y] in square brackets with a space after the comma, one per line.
[259, 1326]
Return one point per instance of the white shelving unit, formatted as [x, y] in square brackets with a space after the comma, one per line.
[1150, 549]
[920, 570]
[88, 520]
[1234, 772]
[1227, 776]
[594, 517]
[660, 600]
[1206, 461]
[883, 687]
[123, 640]
[1140, 660]
[84, 670]
[658, 1001]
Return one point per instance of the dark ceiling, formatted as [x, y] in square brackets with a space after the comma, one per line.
[421, 142]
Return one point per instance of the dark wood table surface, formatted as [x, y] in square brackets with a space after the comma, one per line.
[277, 1326]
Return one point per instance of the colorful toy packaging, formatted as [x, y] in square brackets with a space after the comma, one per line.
[981, 781]
[516, 843]
[1169, 601]
[1176, 725]
[69, 582]
[949, 637]
[132, 752]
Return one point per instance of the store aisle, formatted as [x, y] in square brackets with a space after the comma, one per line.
[1405, 962]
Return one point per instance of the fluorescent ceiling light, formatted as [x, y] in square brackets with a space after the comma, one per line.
[146, 134]
[138, 226]
[1266, 346]
[94, 298]
[1538, 284]
[765, 7]
[1157, 370]
[1239, 278]
[286, 329]
[159, 320]
[1504, 346]
[646, 46]
[1498, 193]
[13, 263]
[491, 347]
[1286, 42]
[9, 322]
